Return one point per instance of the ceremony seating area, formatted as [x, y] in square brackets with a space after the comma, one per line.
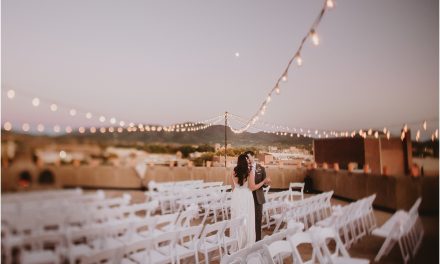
[189, 221]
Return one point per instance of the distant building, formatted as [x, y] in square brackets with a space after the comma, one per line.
[392, 154]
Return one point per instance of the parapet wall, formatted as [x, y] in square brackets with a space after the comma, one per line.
[392, 192]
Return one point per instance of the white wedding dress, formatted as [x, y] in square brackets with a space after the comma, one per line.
[242, 204]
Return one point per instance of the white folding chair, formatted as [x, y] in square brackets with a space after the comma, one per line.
[231, 241]
[299, 239]
[278, 250]
[296, 185]
[38, 252]
[164, 248]
[211, 239]
[82, 242]
[187, 243]
[107, 256]
[321, 237]
[137, 250]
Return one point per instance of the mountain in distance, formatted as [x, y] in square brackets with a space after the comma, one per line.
[211, 135]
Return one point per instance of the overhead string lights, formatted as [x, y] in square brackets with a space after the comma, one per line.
[312, 33]
[103, 119]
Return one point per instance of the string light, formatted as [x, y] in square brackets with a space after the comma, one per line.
[298, 60]
[25, 127]
[424, 125]
[40, 128]
[11, 94]
[92, 130]
[81, 130]
[35, 102]
[102, 119]
[418, 135]
[121, 123]
[7, 126]
[53, 107]
[56, 129]
[89, 115]
[330, 4]
[315, 37]
[68, 130]
[72, 112]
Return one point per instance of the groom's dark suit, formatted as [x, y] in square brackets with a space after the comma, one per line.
[259, 200]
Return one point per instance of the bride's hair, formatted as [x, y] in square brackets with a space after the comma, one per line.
[242, 169]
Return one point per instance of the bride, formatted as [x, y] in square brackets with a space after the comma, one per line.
[242, 202]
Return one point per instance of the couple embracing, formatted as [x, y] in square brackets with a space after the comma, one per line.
[247, 201]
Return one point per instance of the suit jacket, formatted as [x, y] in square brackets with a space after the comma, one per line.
[260, 175]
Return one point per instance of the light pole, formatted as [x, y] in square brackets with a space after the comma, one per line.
[226, 137]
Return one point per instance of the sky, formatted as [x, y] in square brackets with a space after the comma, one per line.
[164, 62]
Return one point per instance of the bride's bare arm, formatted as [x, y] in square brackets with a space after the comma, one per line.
[233, 180]
[252, 184]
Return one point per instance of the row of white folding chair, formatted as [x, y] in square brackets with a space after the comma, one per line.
[40, 195]
[404, 228]
[308, 211]
[61, 206]
[317, 239]
[276, 203]
[17, 231]
[180, 244]
[354, 221]
[109, 234]
[255, 253]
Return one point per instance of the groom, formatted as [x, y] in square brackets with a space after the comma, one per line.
[260, 175]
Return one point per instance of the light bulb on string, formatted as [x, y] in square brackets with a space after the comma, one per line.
[277, 89]
[405, 128]
[315, 37]
[376, 134]
[7, 126]
[284, 78]
[384, 130]
[72, 112]
[120, 129]
[402, 135]
[68, 130]
[56, 129]
[89, 115]
[424, 125]
[436, 133]
[25, 127]
[330, 4]
[35, 102]
[121, 123]
[53, 107]
[111, 130]
[92, 130]
[417, 135]
[102, 119]
[40, 128]
[11, 94]
[102, 130]
[81, 130]
[388, 135]
[298, 60]
[370, 132]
